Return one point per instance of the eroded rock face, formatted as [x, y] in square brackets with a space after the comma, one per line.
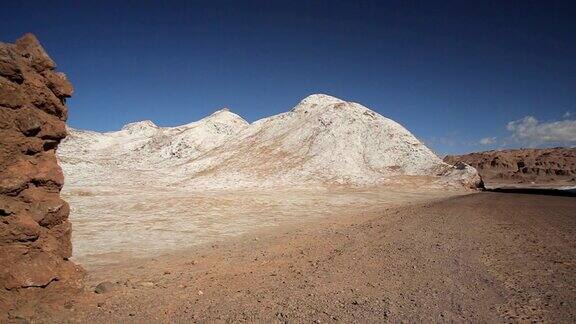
[34, 228]
[523, 166]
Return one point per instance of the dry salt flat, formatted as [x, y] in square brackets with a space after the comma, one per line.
[112, 225]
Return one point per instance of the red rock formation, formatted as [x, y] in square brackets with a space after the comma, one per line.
[34, 228]
[539, 166]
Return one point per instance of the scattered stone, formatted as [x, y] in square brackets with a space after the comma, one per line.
[104, 287]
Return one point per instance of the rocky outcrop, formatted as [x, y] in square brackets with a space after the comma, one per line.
[530, 166]
[34, 229]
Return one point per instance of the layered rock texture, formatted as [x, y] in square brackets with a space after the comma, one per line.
[322, 141]
[34, 228]
[523, 166]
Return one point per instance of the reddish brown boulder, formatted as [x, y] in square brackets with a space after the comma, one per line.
[34, 228]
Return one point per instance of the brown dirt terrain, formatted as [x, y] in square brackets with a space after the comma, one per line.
[485, 257]
[554, 166]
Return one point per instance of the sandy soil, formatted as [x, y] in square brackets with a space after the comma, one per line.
[481, 257]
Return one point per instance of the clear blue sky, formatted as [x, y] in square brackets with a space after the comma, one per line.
[451, 72]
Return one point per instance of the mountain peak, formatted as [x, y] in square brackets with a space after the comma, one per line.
[321, 99]
[223, 110]
[140, 125]
[225, 114]
[317, 102]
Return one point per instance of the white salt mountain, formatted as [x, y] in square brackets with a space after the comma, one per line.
[323, 141]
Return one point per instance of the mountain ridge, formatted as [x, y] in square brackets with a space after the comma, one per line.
[323, 140]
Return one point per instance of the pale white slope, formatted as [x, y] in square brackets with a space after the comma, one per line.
[191, 140]
[321, 141]
[137, 152]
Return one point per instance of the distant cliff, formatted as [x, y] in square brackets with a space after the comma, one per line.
[541, 166]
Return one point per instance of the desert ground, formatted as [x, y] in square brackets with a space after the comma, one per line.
[293, 205]
[350, 256]
[112, 224]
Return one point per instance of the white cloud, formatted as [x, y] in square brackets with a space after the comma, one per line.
[441, 140]
[567, 114]
[487, 140]
[530, 130]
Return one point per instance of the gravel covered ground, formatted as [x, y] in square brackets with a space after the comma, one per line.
[489, 257]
